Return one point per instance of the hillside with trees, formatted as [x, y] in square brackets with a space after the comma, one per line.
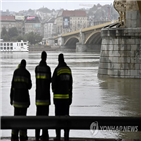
[13, 35]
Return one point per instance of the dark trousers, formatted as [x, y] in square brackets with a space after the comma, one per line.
[23, 133]
[42, 111]
[62, 109]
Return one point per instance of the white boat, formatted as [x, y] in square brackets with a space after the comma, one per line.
[14, 46]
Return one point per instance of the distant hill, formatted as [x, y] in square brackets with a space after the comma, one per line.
[45, 10]
[96, 13]
[102, 12]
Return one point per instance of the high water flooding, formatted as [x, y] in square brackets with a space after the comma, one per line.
[92, 96]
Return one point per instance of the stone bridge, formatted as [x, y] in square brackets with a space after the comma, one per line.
[87, 39]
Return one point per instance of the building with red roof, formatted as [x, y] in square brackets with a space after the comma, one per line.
[8, 18]
[68, 21]
[75, 13]
[7, 21]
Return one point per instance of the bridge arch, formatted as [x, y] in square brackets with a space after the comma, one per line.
[72, 39]
[96, 37]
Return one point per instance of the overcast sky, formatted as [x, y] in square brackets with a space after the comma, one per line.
[17, 5]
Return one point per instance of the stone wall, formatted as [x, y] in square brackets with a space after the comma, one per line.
[81, 47]
[120, 53]
[86, 48]
[94, 48]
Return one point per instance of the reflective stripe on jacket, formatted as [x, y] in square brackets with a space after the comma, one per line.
[61, 96]
[42, 76]
[42, 102]
[63, 70]
[20, 104]
[21, 79]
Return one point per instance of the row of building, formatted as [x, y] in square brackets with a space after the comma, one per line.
[65, 21]
[23, 24]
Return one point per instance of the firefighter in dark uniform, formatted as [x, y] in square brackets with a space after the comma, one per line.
[43, 80]
[19, 96]
[62, 90]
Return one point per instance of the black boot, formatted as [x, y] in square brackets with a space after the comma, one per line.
[66, 135]
[14, 138]
[37, 134]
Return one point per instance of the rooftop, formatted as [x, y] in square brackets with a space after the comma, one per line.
[75, 13]
[7, 18]
[32, 19]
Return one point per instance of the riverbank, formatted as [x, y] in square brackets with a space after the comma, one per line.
[55, 48]
[43, 48]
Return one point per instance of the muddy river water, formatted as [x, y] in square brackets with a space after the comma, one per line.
[92, 96]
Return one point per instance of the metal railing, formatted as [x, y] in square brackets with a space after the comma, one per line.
[66, 122]
[117, 25]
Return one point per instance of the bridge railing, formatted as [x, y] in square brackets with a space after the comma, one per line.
[117, 24]
[68, 122]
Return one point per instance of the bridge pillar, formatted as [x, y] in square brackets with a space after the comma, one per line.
[121, 49]
[60, 41]
[120, 53]
[82, 37]
[80, 47]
